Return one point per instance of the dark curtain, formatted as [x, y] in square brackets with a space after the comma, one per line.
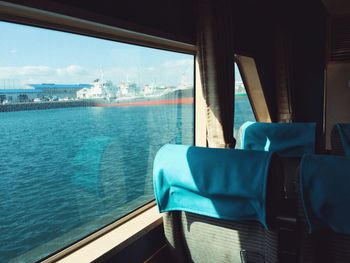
[284, 74]
[216, 62]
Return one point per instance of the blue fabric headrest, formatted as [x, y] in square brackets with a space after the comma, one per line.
[287, 139]
[344, 134]
[220, 183]
[324, 187]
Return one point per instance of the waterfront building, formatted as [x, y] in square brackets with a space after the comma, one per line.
[148, 89]
[239, 87]
[59, 90]
[124, 89]
[19, 95]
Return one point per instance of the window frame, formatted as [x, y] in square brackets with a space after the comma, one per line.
[247, 92]
[245, 88]
[77, 249]
[252, 84]
[19, 14]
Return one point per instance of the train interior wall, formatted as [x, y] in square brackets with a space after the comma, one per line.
[304, 25]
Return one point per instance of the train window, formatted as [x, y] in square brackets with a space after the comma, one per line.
[247, 73]
[81, 121]
[243, 108]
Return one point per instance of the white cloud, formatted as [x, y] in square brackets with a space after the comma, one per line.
[69, 74]
[13, 51]
[118, 74]
[171, 72]
[37, 74]
[15, 72]
[71, 70]
[179, 63]
[178, 71]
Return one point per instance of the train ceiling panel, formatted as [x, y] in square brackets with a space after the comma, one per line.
[337, 7]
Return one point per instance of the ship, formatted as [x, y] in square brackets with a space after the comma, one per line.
[105, 94]
[101, 93]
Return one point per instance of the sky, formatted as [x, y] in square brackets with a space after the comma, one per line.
[33, 55]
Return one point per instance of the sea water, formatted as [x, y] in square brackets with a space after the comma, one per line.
[68, 172]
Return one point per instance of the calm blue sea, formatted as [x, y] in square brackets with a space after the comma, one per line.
[68, 172]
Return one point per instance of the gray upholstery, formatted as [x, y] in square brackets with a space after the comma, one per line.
[337, 146]
[209, 240]
[196, 238]
[340, 248]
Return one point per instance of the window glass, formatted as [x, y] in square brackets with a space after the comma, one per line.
[81, 120]
[243, 108]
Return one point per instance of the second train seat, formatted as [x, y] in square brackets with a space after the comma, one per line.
[218, 204]
[291, 141]
[324, 185]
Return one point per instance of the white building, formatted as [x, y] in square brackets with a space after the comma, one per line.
[124, 89]
[148, 89]
[100, 90]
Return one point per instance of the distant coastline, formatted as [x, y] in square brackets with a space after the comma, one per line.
[177, 97]
[88, 103]
[85, 103]
[44, 105]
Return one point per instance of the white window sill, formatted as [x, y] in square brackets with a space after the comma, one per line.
[117, 238]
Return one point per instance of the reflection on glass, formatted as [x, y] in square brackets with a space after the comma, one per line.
[81, 120]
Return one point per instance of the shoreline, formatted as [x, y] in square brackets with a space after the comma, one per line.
[175, 97]
[147, 103]
[25, 106]
[180, 97]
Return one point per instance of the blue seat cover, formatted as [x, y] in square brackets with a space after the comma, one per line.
[325, 192]
[344, 134]
[220, 183]
[287, 139]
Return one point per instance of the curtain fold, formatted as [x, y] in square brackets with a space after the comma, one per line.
[216, 61]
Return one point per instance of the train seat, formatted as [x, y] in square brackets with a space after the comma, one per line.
[219, 205]
[324, 195]
[291, 141]
[287, 139]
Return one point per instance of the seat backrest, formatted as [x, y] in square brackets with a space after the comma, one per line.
[287, 139]
[197, 226]
[291, 141]
[324, 194]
